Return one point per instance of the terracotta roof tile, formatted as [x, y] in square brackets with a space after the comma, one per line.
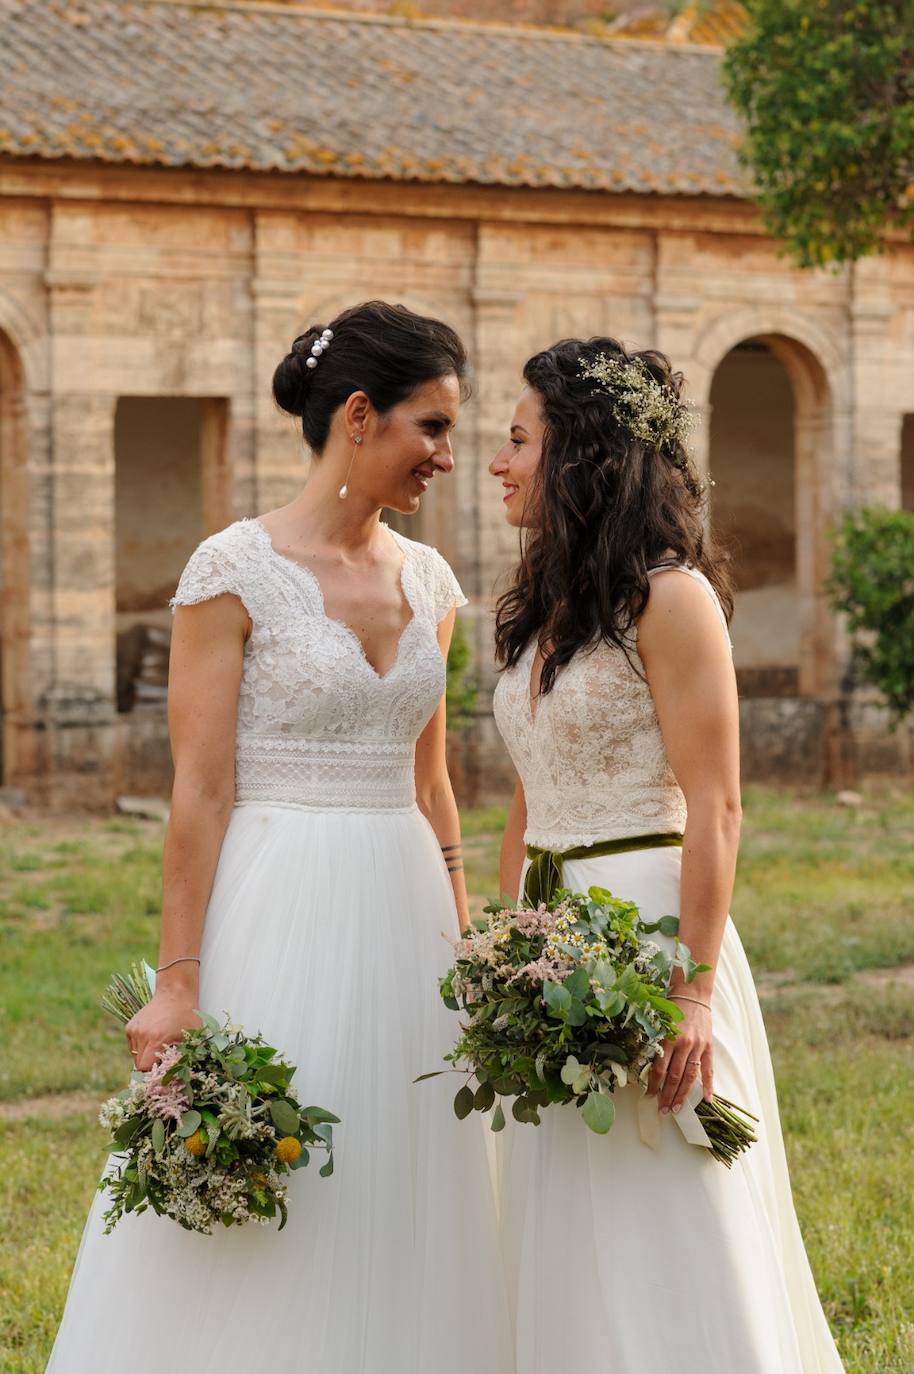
[183, 85]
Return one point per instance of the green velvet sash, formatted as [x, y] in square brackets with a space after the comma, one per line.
[547, 868]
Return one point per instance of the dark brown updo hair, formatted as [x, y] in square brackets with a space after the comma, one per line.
[384, 350]
[609, 506]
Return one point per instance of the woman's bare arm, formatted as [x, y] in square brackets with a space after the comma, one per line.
[434, 793]
[690, 671]
[204, 677]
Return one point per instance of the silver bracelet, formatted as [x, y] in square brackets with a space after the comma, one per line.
[681, 997]
[181, 959]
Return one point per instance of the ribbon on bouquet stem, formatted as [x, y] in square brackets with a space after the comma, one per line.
[687, 1119]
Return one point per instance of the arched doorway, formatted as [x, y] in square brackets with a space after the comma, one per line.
[771, 451]
[751, 459]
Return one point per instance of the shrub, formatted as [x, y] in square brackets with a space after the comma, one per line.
[872, 581]
[462, 690]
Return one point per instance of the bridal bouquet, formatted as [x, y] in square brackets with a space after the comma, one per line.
[565, 1003]
[210, 1132]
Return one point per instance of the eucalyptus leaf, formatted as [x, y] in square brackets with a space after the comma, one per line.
[582, 1082]
[285, 1118]
[327, 1169]
[463, 1102]
[498, 1119]
[484, 1098]
[570, 1070]
[599, 1112]
[312, 1114]
[577, 983]
[158, 1135]
[557, 997]
[191, 1121]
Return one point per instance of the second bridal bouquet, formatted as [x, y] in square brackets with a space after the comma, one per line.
[565, 1003]
[207, 1135]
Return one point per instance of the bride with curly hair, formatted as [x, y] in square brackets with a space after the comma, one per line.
[636, 1252]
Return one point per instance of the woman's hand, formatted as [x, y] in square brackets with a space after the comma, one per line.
[161, 1022]
[685, 1056]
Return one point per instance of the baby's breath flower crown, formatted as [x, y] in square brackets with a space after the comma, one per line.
[641, 405]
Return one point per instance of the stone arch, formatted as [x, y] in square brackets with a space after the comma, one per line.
[806, 350]
[17, 740]
[817, 375]
[28, 340]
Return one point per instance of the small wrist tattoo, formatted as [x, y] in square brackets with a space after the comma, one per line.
[453, 857]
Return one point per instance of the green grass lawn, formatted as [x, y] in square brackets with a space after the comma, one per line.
[823, 904]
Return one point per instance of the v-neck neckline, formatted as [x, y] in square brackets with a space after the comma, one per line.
[311, 575]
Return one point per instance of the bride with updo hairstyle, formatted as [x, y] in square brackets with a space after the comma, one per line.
[312, 862]
[617, 702]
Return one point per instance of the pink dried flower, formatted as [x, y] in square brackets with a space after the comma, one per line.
[167, 1100]
[544, 969]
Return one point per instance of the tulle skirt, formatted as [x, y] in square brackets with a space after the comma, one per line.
[323, 931]
[627, 1259]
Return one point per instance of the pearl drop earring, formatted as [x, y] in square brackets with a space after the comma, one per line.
[344, 489]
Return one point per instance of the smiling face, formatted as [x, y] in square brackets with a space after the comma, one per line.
[403, 450]
[517, 460]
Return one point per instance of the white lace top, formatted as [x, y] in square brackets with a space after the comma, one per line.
[316, 726]
[591, 759]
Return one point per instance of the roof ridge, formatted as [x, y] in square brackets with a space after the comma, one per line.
[294, 11]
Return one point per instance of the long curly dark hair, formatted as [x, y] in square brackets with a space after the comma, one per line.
[609, 506]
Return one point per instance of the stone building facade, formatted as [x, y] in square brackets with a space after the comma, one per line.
[167, 226]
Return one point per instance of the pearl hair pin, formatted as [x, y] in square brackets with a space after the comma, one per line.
[319, 347]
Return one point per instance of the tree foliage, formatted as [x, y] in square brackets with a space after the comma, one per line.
[872, 580]
[826, 90]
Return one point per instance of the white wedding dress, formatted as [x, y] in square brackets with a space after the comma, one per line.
[324, 932]
[625, 1257]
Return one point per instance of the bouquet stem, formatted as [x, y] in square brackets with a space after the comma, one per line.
[727, 1127]
[126, 995]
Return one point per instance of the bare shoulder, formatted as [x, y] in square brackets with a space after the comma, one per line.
[682, 616]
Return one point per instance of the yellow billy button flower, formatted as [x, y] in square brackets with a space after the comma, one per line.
[196, 1144]
[288, 1149]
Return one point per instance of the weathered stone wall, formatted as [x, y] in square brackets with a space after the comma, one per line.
[118, 283]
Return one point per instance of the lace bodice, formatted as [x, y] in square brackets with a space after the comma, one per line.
[316, 725]
[591, 759]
